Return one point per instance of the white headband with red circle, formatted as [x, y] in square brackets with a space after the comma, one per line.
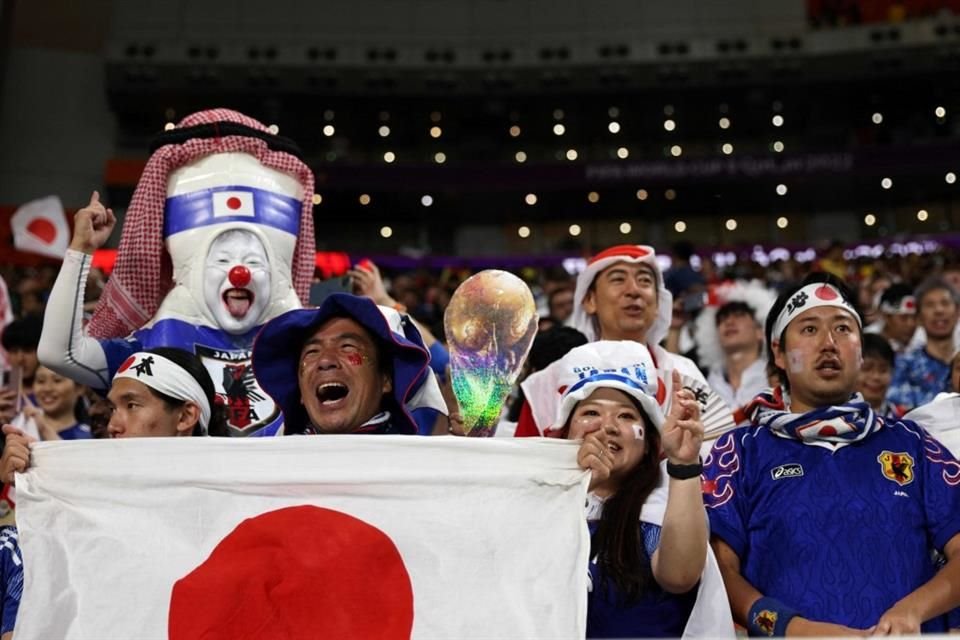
[907, 305]
[817, 294]
[167, 377]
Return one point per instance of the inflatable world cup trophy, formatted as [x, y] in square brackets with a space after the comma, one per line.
[490, 324]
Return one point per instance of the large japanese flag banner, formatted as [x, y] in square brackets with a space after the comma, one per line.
[303, 537]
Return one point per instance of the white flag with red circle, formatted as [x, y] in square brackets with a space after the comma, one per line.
[233, 203]
[40, 226]
[303, 537]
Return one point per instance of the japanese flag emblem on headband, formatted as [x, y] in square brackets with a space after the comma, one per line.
[906, 306]
[811, 296]
[233, 203]
[167, 377]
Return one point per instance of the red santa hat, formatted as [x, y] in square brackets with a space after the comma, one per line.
[143, 273]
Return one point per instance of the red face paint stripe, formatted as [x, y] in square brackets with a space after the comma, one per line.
[355, 359]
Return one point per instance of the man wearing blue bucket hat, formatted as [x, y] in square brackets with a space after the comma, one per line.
[348, 366]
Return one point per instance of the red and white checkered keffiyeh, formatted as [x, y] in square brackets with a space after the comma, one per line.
[143, 272]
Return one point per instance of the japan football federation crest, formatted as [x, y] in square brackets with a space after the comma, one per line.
[766, 621]
[896, 466]
[248, 407]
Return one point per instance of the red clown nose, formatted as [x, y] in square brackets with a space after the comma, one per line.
[239, 276]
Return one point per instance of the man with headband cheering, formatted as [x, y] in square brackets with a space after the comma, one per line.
[822, 513]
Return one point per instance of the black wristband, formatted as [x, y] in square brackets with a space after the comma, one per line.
[684, 471]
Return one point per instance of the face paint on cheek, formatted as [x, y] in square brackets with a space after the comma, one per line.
[356, 359]
[638, 431]
[795, 360]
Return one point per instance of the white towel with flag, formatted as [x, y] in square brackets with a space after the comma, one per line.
[303, 537]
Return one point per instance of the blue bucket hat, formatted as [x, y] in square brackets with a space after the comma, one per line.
[276, 356]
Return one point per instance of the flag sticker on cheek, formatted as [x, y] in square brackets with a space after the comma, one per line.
[795, 360]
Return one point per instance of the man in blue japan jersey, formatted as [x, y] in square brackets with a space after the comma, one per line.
[924, 372]
[823, 514]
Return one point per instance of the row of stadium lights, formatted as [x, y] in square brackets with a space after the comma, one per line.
[679, 226]
[559, 129]
[593, 197]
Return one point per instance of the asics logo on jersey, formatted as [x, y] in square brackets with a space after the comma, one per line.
[792, 470]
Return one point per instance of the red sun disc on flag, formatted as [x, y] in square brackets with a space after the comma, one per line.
[825, 292]
[233, 202]
[298, 572]
[43, 230]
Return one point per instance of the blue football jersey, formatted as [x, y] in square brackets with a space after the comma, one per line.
[840, 535]
[78, 431]
[656, 614]
[11, 574]
[917, 378]
[250, 411]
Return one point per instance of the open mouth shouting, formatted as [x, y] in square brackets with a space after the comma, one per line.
[332, 394]
[238, 301]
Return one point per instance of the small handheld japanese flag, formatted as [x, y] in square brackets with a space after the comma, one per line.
[332, 536]
[40, 226]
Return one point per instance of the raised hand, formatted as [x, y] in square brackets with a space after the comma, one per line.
[594, 457]
[92, 225]
[16, 453]
[8, 405]
[682, 431]
[368, 282]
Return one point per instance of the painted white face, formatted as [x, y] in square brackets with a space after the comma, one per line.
[236, 281]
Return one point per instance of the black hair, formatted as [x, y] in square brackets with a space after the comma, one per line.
[553, 344]
[683, 250]
[781, 303]
[548, 347]
[934, 283]
[22, 334]
[876, 346]
[195, 367]
[618, 542]
[732, 307]
[893, 294]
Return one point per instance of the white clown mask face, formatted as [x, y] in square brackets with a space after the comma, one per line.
[236, 280]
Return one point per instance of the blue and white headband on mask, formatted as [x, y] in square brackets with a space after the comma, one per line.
[167, 377]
